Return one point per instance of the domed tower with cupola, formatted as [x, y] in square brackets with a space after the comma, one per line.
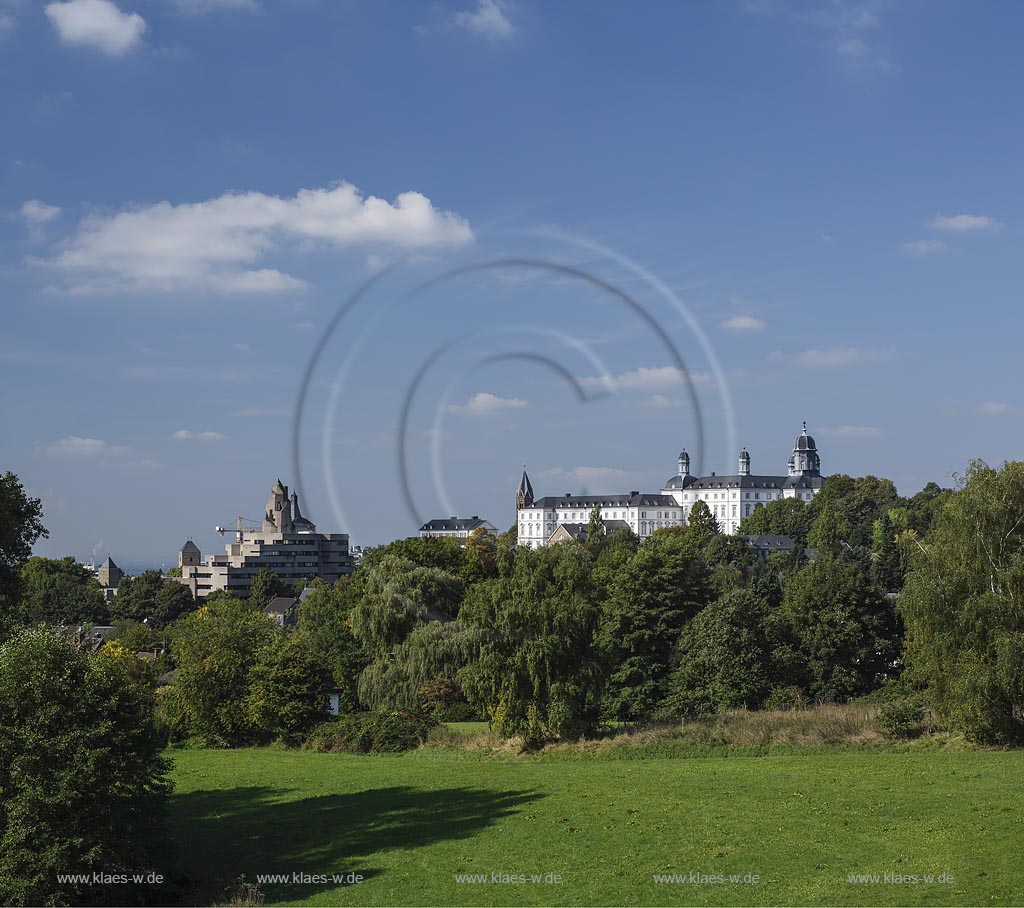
[674, 485]
[744, 463]
[804, 460]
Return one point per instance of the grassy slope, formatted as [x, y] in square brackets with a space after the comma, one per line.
[800, 821]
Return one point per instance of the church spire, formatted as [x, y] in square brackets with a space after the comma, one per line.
[524, 497]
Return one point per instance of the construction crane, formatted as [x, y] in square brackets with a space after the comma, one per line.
[240, 530]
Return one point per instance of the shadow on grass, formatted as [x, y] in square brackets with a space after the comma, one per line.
[222, 834]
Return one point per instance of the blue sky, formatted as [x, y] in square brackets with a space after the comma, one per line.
[817, 205]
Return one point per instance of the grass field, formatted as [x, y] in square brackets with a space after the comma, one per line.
[606, 824]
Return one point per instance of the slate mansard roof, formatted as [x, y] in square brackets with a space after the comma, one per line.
[680, 482]
[579, 531]
[799, 481]
[769, 543]
[632, 500]
[452, 524]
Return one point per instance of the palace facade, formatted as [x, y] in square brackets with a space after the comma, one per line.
[542, 521]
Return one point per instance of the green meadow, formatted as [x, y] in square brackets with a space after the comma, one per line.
[597, 828]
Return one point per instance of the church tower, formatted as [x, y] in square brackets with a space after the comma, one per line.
[744, 463]
[277, 517]
[524, 497]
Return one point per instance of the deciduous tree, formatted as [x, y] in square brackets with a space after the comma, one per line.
[60, 591]
[82, 781]
[963, 603]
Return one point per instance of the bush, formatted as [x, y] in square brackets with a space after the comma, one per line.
[902, 718]
[371, 733]
[444, 701]
[788, 697]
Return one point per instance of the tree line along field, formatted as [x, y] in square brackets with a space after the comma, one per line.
[802, 821]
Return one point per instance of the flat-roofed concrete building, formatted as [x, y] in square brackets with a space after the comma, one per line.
[287, 543]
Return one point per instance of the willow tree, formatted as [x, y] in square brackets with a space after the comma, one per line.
[398, 618]
[537, 670]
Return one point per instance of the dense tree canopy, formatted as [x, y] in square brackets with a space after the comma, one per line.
[781, 517]
[82, 780]
[652, 598]
[325, 627]
[151, 597]
[731, 655]
[397, 619]
[266, 586]
[844, 626]
[963, 603]
[216, 648]
[535, 669]
[20, 527]
[288, 690]
[60, 591]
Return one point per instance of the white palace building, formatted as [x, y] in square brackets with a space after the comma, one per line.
[554, 518]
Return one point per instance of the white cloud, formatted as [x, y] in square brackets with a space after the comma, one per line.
[242, 348]
[662, 402]
[963, 223]
[216, 245]
[37, 213]
[76, 445]
[849, 431]
[186, 434]
[644, 378]
[743, 323]
[98, 24]
[994, 408]
[483, 403]
[852, 48]
[833, 356]
[488, 19]
[923, 247]
[584, 474]
[849, 28]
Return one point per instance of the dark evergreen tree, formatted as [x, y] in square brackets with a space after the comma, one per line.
[595, 529]
[702, 520]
